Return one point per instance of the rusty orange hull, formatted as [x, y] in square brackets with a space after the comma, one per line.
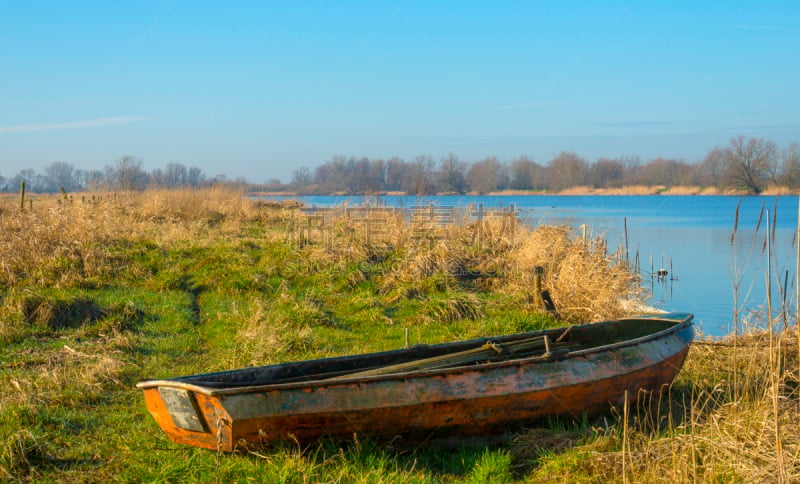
[300, 401]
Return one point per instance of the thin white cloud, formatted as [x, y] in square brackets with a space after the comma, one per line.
[532, 105]
[88, 123]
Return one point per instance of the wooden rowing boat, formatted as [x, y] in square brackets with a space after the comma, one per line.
[471, 387]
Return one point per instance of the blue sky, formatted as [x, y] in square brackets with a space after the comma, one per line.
[258, 89]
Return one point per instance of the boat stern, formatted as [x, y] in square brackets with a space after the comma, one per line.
[188, 416]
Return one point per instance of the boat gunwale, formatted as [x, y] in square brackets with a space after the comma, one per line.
[681, 320]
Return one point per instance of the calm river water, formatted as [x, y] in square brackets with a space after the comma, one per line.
[689, 235]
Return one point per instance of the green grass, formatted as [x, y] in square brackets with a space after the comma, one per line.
[74, 351]
[94, 300]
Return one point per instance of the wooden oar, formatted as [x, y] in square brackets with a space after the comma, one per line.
[489, 351]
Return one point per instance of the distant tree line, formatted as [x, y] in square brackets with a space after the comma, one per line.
[749, 165]
[126, 173]
[744, 164]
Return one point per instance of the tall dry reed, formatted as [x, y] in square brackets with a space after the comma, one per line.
[57, 242]
[585, 280]
[730, 416]
[702, 429]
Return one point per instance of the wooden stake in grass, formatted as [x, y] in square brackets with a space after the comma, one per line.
[21, 196]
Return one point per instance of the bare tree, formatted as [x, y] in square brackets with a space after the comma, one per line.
[62, 175]
[567, 170]
[526, 175]
[376, 175]
[176, 175]
[418, 177]
[81, 178]
[451, 174]
[357, 176]
[196, 177]
[97, 180]
[128, 174]
[790, 166]
[503, 178]
[34, 182]
[483, 175]
[395, 173]
[711, 171]
[158, 179]
[15, 181]
[606, 173]
[750, 164]
[665, 171]
[631, 165]
[301, 177]
[335, 173]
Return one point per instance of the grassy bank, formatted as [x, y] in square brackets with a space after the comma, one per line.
[99, 292]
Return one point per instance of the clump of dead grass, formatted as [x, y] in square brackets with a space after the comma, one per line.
[584, 281]
[445, 258]
[20, 454]
[271, 330]
[66, 376]
[453, 306]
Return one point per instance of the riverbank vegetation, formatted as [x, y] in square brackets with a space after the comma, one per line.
[101, 290]
[743, 166]
[748, 166]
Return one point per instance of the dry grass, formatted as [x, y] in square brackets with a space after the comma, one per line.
[65, 376]
[272, 330]
[20, 454]
[685, 190]
[60, 243]
[626, 190]
[779, 190]
[51, 245]
[585, 282]
[47, 380]
[718, 423]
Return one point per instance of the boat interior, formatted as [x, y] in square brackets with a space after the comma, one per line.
[543, 345]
